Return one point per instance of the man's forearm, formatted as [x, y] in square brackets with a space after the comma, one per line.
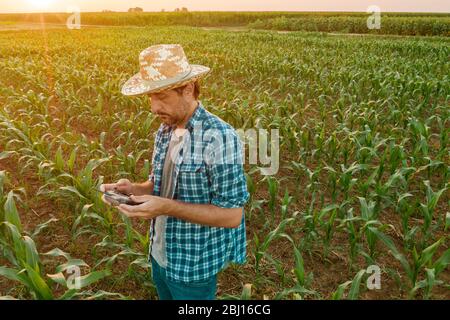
[145, 188]
[205, 214]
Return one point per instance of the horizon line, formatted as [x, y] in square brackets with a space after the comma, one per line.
[241, 11]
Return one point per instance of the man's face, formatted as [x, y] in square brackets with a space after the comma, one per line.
[170, 106]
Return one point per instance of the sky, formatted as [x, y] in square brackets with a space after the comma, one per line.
[9, 6]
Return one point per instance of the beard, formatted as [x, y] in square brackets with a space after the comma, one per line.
[180, 113]
[166, 119]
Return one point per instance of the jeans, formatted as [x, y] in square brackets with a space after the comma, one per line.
[177, 290]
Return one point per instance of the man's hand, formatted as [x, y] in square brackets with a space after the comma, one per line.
[151, 207]
[123, 186]
[204, 214]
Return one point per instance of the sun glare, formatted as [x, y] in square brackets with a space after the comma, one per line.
[40, 3]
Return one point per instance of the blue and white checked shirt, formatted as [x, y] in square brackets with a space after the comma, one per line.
[209, 170]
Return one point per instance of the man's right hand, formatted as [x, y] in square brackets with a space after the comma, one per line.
[123, 186]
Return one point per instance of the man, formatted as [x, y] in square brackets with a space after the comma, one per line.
[197, 189]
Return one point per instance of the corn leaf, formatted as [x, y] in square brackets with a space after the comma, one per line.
[11, 213]
[32, 255]
[93, 277]
[442, 262]
[41, 288]
[356, 283]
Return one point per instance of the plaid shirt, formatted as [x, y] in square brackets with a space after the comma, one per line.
[209, 170]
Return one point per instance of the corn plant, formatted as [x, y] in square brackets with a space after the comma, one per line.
[329, 226]
[255, 205]
[420, 260]
[346, 180]
[369, 217]
[262, 247]
[303, 279]
[27, 268]
[428, 208]
[273, 185]
[353, 235]
[354, 284]
[128, 162]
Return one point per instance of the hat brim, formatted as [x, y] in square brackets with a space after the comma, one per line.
[136, 85]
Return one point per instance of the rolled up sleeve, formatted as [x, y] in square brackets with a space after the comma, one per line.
[226, 172]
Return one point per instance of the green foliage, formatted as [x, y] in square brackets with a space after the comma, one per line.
[363, 149]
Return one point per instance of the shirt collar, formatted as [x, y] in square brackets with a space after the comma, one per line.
[196, 117]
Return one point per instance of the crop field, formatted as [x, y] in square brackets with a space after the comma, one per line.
[364, 161]
[427, 24]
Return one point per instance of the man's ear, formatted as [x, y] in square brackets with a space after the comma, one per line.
[189, 90]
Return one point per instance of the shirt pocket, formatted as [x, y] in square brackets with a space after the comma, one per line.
[193, 185]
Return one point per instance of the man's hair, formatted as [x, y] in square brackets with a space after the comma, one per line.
[179, 90]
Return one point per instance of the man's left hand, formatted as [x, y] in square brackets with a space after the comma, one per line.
[151, 207]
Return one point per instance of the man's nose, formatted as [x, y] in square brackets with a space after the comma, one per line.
[155, 108]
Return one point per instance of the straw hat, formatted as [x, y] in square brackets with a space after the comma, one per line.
[162, 67]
